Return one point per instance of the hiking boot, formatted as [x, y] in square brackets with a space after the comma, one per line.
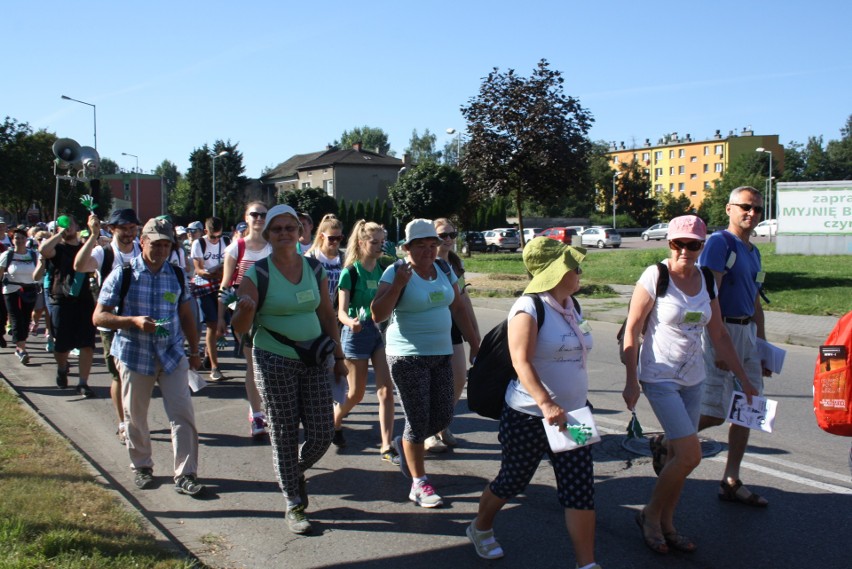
[187, 484]
[62, 377]
[424, 495]
[297, 521]
[216, 375]
[484, 542]
[397, 446]
[85, 391]
[390, 455]
[144, 477]
[339, 440]
[435, 445]
[258, 426]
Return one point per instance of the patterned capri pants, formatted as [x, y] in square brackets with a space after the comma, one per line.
[293, 392]
[425, 385]
[524, 442]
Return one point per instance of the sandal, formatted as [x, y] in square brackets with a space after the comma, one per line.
[679, 542]
[731, 493]
[658, 453]
[655, 544]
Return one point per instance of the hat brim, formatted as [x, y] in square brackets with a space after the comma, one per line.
[552, 274]
[159, 237]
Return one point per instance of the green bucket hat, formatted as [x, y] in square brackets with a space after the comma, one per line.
[548, 260]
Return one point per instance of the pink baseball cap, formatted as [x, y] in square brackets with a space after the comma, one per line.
[687, 227]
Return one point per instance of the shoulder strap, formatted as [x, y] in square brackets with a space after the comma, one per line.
[731, 255]
[539, 309]
[241, 249]
[7, 260]
[445, 266]
[109, 259]
[181, 280]
[662, 280]
[262, 270]
[709, 281]
[126, 278]
[353, 276]
[203, 243]
[317, 267]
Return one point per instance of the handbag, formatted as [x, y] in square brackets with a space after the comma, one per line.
[312, 353]
[581, 431]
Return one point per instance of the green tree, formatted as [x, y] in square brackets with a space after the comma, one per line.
[527, 139]
[747, 169]
[26, 162]
[181, 202]
[314, 201]
[360, 212]
[170, 174]
[230, 182]
[428, 190]
[633, 189]
[422, 148]
[108, 167]
[450, 154]
[840, 153]
[374, 139]
[674, 205]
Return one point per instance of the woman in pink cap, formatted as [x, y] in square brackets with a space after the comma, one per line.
[669, 365]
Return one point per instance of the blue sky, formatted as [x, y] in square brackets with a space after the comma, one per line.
[168, 77]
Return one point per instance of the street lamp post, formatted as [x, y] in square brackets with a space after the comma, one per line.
[137, 179]
[769, 186]
[215, 156]
[614, 176]
[451, 131]
[94, 111]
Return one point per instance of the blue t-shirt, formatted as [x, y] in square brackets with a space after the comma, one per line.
[739, 286]
[420, 323]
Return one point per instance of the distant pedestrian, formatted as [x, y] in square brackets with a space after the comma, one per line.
[20, 291]
[306, 239]
[208, 256]
[153, 320]
[326, 250]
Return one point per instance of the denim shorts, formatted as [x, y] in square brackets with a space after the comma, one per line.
[361, 346]
[676, 406]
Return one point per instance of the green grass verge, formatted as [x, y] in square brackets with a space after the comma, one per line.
[799, 284]
[54, 514]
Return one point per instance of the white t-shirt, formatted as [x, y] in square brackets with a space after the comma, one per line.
[671, 349]
[213, 255]
[250, 257]
[558, 359]
[20, 271]
[119, 258]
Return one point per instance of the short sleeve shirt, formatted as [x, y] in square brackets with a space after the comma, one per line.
[20, 270]
[213, 255]
[366, 286]
[250, 257]
[739, 287]
[420, 323]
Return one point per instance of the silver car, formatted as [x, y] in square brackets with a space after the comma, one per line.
[656, 232]
[505, 239]
[601, 237]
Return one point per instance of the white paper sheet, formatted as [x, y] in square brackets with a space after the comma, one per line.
[772, 356]
[760, 415]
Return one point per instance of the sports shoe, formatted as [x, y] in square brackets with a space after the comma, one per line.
[144, 477]
[448, 438]
[397, 446]
[216, 375]
[390, 455]
[258, 425]
[75, 352]
[297, 521]
[435, 445]
[339, 440]
[122, 433]
[23, 356]
[484, 542]
[85, 391]
[62, 377]
[424, 495]
[187, 484]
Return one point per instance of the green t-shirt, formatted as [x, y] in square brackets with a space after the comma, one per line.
[366, 286]
[289, 309]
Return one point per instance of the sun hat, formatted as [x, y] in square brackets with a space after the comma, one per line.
[687, 227]
[195, 226]
[548, 260]
[123, 217]
[180, 230]
[158, 229]
[420, 229]
[275, 211]
[242, 226]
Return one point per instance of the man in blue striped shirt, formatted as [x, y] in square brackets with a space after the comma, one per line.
[153, 319]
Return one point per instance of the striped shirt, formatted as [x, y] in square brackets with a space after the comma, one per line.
[155, 295]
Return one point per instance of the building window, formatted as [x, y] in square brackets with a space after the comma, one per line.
[707, 167]
[671, 153]
[681, 169]
[658, 188]
[718, 167]
[717, 149]
[306, 185]
[706, 185]
[681, 153]
[328, 186]
[671, 170]
[671, 188]
[693, 159]
[680, 187]
[693, 176]
[693, 193]
[658, 155]
[646, 156]
[615, 159]
[706, 151]
[658, 172]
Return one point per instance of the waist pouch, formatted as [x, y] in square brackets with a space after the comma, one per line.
[312, 353]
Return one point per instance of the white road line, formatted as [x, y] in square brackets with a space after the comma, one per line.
[802, 467]
[789, 477]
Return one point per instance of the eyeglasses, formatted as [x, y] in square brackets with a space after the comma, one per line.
[450, 235]
[286, 228]
[333, 238]
[758, 209]
[688, 245]
[257, 214]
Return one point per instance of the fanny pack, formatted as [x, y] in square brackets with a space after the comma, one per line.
[312, 353]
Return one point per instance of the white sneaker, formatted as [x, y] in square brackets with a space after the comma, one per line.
[484, 542]
[216, 375]
[258, 425]
[424, 495]
[435, 445]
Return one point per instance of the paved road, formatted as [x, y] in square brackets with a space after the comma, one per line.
[362, 516]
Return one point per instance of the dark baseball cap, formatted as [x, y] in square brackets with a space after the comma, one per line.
[123, 217]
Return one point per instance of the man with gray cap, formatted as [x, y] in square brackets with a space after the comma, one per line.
[124, 226]
[152, 320]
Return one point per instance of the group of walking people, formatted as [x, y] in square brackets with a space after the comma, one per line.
[309, 318]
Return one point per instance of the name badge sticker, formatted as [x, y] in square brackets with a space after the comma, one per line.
[372, 285]
[304, 296]
[692, 317]
[436, 296]
[170, 297]
[585, 327]
[761, 276]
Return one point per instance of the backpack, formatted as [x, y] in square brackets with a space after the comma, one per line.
[833, 380]
[109, 259]
[444, 266]
[662, 287]
[731, 258]
[127, 278]
[492, 371]
[224, 242]
[8, 259]
[241, 250]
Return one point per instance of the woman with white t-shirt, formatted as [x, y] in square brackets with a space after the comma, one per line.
[326, 250]
[253, 248]
[552, 380]
[671, 370]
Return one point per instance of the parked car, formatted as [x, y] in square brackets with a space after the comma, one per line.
[472, 241]
[656, 232]
[600, 237]
[578, 228]
[505, 239]
[531, 233]
[764, 228]
[563, 234]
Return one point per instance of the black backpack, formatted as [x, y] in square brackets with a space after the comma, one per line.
[492, 371]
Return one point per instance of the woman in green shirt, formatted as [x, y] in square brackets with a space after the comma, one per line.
[361, 337]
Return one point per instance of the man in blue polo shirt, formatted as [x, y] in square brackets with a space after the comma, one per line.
[149, 344]
[736, 264]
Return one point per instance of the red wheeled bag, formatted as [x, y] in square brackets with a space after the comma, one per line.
[833, 380]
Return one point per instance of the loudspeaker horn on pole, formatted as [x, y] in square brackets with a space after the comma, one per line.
[90, 159]
[67, 152]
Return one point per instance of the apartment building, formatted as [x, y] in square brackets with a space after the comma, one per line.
[688, 166]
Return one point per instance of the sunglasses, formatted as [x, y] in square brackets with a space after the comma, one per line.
[333, 238]
[257, 214]
[688, 245]
[758, 209]
[214, 236]
[450, 235]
